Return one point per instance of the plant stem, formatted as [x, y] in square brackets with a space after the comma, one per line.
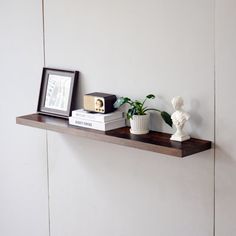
[151, 109]
[144, 101]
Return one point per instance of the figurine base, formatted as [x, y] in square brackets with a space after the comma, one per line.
[179, 138]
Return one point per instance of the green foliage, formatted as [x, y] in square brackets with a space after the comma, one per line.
[167, 118]
[138, 108]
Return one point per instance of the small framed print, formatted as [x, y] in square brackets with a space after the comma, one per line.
[57, 92]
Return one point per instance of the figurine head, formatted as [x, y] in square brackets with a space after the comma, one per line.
[177, 102]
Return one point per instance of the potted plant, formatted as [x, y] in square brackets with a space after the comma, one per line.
[138, 114]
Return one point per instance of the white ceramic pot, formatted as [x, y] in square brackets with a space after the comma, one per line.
[140, 124]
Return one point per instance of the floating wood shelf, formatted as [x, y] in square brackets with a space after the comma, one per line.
[154, 141]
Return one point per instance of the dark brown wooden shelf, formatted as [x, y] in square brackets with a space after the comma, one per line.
[154, 141]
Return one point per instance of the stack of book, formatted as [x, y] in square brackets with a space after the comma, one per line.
[97, 121]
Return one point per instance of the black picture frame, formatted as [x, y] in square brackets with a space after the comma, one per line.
[58, 92]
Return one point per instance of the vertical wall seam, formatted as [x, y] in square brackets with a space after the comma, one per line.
[214, 102]
[48, 187]
[46, 133]
[43, 24]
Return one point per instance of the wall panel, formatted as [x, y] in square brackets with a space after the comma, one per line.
[23, 179]
[133, 48]
[225, 119]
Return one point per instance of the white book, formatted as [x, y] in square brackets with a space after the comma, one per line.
[81, 113]
[104, 126]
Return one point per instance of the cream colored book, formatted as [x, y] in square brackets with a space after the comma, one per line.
[81, 113]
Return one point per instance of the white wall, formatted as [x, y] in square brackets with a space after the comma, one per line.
[23, 181]
[133, 48]
[129, 48]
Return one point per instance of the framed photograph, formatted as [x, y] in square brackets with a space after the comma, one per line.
[57, 92]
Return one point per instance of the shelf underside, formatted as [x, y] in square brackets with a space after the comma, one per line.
[154, 141]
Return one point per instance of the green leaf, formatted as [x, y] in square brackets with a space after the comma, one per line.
[138, 105]
[121, 101]
[167, 118]
[127, 100]
[150, 96]
[130, 113]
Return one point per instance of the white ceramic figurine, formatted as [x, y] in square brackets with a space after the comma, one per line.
[179, 117]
